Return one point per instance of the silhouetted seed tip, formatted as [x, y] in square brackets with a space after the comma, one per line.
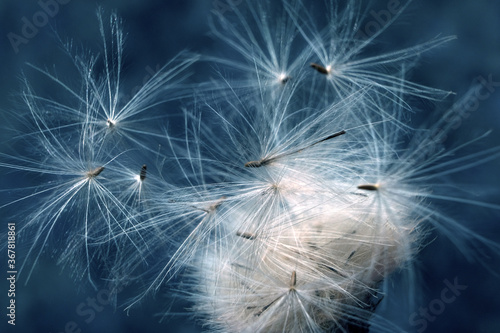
[293, 280]
[320, 68]
[246, 235]
[334, 135]
[368, 187]
[95, 172]
[350, 256]
[142, 175]
[110, 123]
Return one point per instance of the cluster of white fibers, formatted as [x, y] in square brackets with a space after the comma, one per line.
[318, 192]
[295, 189]
[86, 147]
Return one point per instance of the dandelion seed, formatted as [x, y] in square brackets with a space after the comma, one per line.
[101, 103]
[268, 62]
[336, 43]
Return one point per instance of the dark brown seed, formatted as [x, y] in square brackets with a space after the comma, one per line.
[368, 187]
[334, 135]
[320, 68]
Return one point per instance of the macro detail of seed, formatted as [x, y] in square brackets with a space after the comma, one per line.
[255, 164]
[246, 235]
[368, 187]
[320, 68]
[293, 280]
[142, 175]
[94, 173]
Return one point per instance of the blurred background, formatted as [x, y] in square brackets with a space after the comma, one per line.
[156, 31]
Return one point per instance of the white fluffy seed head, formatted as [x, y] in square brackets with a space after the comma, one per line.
[299, 257]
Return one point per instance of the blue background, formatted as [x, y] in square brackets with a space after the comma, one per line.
[156, 31]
